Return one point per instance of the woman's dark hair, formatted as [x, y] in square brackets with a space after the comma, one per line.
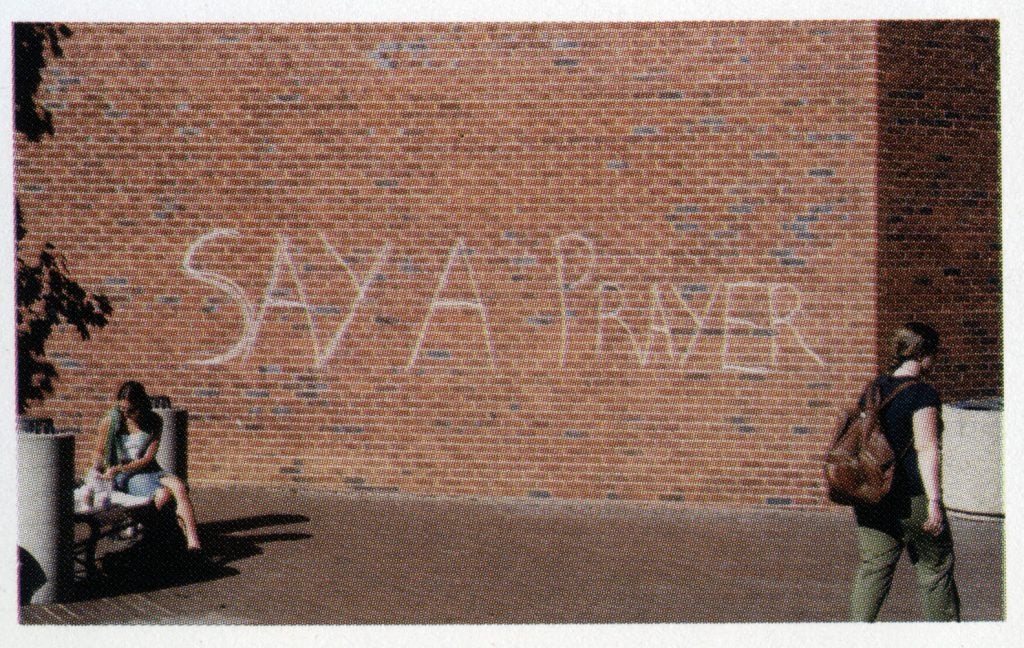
[133, 392]
[913, 341]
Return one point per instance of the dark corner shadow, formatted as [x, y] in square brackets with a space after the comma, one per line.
[158, 559]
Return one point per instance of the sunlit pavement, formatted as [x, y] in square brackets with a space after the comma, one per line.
[275, 556]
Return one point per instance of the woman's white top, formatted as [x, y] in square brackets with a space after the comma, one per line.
[135, 444]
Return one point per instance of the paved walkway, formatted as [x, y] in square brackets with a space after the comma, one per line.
[280, 557]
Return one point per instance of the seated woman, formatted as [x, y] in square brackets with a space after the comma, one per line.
[129, 436]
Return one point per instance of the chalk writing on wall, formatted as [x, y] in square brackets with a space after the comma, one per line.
[576, 260]
[458, 252]
[253, 316]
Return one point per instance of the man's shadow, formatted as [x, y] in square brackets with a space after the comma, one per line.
[158, 559]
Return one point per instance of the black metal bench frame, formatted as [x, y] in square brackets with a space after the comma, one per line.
[104, 523]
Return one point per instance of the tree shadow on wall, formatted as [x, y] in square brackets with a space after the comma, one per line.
[158, 559]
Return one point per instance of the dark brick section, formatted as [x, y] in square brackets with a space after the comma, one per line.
[939, 171]
[753, 377]
[376, 489]
[348, 429]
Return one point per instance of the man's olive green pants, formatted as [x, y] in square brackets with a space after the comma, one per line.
[882, 533]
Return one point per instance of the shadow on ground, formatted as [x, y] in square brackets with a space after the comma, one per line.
[158, 559]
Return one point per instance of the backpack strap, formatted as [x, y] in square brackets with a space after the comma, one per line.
[896, 391]
[885, 403]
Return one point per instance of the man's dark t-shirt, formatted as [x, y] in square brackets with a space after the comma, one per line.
[898, 425]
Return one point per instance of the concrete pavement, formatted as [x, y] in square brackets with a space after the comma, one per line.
[305, 557]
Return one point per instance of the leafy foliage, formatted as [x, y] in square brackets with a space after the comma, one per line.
[47, 296]
[30, 43]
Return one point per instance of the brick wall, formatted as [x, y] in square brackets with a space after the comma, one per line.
[939, 195]
[566, 260]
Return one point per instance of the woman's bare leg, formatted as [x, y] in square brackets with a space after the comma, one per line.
[186, 512]
[161, 497]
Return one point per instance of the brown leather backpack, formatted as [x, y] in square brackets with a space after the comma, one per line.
[860, 463]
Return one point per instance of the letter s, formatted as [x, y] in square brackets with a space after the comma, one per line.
[229, 287]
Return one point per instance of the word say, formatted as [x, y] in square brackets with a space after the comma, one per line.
[254, 315]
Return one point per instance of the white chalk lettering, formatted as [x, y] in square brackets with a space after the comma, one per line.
[230, 288]
[283, 259]
[362, 286]
[729, 320]
[778, 321]
[565, 286]
[658, 322]
[755, 317]
[698, 320]
[458, 252]
[604, 314]
[658, 325]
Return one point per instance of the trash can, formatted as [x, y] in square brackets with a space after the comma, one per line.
[972, 457]
[46, 528]
[173, 453]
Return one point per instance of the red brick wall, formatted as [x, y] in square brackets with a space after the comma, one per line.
[939, 194]
[567, 260]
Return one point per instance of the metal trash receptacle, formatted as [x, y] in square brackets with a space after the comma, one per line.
[46, 528]
[173, 452]
[972, 457]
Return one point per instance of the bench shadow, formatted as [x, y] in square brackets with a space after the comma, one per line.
[158, 559]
